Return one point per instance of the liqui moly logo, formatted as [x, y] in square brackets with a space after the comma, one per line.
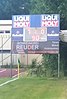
[50, 20]
[20, 21]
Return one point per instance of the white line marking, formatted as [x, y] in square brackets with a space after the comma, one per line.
[8, 82]
[16, 75]
[2, 70]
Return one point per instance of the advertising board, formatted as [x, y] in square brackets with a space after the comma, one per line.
[41, 30]
[35, 47]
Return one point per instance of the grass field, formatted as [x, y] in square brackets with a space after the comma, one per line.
[2, 80]
[34, 88]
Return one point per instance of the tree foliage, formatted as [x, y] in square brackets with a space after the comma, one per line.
[50, 63]
[13, 7]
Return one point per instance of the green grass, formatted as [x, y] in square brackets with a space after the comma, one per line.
[2, 80]
[34, 88]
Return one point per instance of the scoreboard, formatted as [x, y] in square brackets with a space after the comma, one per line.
[36, 28]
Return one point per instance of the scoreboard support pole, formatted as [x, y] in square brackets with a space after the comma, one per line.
[2, 50]
[27, 59]
[58, 65]
[11, 56]
[18, 70]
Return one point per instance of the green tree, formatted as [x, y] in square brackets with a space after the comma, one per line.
[13, 7]
[50, 63]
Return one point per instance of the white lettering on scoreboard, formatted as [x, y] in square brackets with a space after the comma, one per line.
[27, 47]
[50, 21]
[21, 21]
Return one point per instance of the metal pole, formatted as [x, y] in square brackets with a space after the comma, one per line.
[58, 65]
[27, 54]
[27, 59]
[2, 50]
[11, 57]
[18, 68]
[11, 65]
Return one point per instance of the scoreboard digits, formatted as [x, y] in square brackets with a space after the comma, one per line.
[36, 34]
[35, 37]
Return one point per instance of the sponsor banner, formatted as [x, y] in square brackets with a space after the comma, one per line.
[17, 34]
[19, 21]
[35, 47]
[23, 47]
[50, 20]
[45, 20]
